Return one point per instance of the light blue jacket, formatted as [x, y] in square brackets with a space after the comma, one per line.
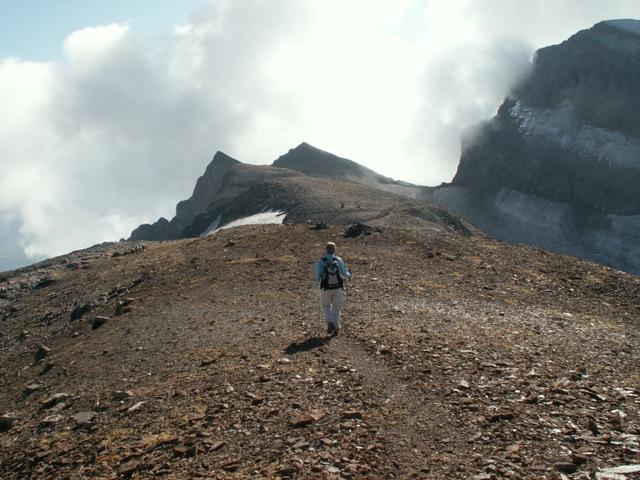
[320, 267]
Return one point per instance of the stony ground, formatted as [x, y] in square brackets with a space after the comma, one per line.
[460, 357]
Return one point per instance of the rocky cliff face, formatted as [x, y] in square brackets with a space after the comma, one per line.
[205, 192]
[207, 187]
[559, 165]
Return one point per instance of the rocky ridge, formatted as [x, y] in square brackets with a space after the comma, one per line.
[460, 357]
[307, 183]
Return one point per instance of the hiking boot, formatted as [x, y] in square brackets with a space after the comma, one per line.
[330, 329]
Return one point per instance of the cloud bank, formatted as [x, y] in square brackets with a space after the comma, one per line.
[116, 133]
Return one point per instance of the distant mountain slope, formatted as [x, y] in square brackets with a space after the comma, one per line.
[308, 184]
[559, 165]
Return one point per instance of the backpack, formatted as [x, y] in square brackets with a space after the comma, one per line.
[331, 278]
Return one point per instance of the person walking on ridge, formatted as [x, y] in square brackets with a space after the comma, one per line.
[330, 273]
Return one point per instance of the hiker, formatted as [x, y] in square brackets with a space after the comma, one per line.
[330, 274]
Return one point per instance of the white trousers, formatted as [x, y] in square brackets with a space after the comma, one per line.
[331, 301]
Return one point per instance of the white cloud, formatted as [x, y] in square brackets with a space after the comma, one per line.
[94, 43]
[118, 132]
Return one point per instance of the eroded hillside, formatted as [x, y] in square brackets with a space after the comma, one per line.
[460, 356]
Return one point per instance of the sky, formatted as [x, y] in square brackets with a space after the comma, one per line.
[111, 110]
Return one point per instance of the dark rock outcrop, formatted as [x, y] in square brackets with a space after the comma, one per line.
[207, 187]
[597, 71]
[205, 192]
[571, 131]
[163, 229]
[559, 165]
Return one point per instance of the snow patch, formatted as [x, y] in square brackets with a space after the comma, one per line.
[561, 126]
[212, 228]
[264, 218]
[627, 24]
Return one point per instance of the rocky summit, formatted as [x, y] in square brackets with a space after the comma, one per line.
[559, 165]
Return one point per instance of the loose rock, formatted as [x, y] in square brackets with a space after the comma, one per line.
[80, 310]
[7, 422]
[565, 467]
[120, 395]
[301, 421]
[51, 420]
[352, 414]
[31, 388]
[55, 400]
[42, 352]
[97, 322]
[84, 419]
[136, 407]
[498, 417]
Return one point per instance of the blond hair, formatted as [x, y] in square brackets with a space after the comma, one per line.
[330, 248]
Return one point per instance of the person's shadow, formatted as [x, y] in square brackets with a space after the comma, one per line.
[308, 344]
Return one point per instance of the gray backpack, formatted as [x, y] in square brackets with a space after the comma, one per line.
[331, 278]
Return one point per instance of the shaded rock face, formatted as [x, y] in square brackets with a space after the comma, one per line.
[160, 230]
[205, 192]
[571, 132]
[559, 165]
[545, 153]
[597, 71]
[206, 188]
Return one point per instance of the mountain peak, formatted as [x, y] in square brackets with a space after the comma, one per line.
[629, 25]
[306, 149]
[221, 158]
[308, 159]
[307, 146]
